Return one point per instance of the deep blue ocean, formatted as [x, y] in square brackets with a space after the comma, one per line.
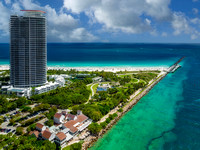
[168, 117]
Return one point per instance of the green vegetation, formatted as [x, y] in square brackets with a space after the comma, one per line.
[19, 131]
[50, 116]
[94, 128]
[94, 88]
[31, 127]
[6, 105]
[73, 96]
[31, 121]
[75, 146]
[12, 142]
[76, 93]
[145, 76]
[120, 110]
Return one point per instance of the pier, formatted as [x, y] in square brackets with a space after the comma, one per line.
[175, 66]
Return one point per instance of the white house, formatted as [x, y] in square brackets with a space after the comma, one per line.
[58, 118]
[47, 135]
[40, 127]
[60, 138]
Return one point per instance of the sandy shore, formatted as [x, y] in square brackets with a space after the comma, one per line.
[106, 69]
[110, 69]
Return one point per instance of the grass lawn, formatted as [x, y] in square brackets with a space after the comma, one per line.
[95, 88]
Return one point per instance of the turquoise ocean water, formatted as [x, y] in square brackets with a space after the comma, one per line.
[167, 117]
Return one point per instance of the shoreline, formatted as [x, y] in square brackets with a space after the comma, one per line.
[89, 141]
[106, 69]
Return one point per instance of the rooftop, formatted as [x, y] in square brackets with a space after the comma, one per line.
[34, 11]
[61, 135]
[39, 125]
[46, 134]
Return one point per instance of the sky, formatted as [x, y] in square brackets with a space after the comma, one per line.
[124, 21]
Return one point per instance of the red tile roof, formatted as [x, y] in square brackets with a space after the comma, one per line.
[57, 115]
[70, 124]
[39, 125]
[73, 129]
[46, 134]
[70, 116]
[61, 135]
[36, 133]
[81, 118]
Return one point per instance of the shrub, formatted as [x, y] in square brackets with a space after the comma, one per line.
[120, 110]
[103, 124]
[94, 128]
[108, 120]
[19, 131]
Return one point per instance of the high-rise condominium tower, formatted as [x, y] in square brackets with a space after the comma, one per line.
[28, 50]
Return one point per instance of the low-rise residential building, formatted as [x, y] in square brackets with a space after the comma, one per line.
[60, 138]
[18, 91]
[46, 88]
[58, 118]
[27, 92]
[47, 135]
[40, 127]
[67, 129]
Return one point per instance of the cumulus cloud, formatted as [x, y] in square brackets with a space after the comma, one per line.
[181, 24]
[123, 15]
[111, 16]
[61, 25]
[4, 23]
[132, 16]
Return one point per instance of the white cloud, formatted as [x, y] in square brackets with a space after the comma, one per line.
[181, 24]
[123, 15]
[80, 34]
[61, 25]
[4, 19]
[195, 21]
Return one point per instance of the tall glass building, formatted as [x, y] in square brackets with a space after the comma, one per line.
[28, 49]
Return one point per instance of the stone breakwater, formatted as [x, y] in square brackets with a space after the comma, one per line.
[89, 141]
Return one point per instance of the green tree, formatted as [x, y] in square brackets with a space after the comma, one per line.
[19, 131]
[94, 128]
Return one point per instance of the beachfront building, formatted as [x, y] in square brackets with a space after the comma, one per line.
[28, 50]
[65, 130]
